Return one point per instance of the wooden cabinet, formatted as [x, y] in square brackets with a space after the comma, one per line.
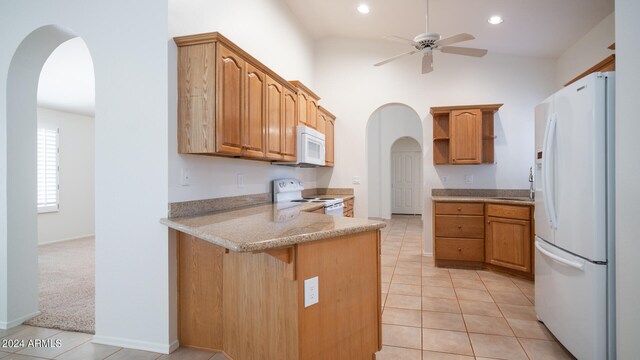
[280, 122]
[230, 104]
[463, 135]
[508, 238]
[348, 208]
[326, 125]
[459, 232]
[307, 105]
[490, 235]
[251, 304]
[254, 115]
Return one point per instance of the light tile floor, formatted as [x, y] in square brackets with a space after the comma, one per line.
[434, 313]
[428, 313]
[78, 346]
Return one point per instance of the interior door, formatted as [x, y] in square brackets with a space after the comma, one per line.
[406, 169]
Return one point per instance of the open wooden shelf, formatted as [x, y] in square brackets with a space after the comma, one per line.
[442, 138]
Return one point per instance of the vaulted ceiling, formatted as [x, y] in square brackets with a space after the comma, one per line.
[544, 28]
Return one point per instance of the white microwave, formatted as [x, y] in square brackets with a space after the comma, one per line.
[310, 148]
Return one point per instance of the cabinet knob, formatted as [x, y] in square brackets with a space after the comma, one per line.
[459, 249]
[459, 209]
[459, 227]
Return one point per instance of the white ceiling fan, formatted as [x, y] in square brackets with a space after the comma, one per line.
[427, 42]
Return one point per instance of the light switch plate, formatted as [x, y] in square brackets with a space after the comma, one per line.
[468, 179]
[356, 180]
[185, 175]
[311, 293]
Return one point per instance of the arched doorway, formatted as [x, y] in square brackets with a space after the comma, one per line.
[20, 288]
[386, 125]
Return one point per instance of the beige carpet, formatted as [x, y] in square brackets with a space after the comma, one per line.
[67, 286]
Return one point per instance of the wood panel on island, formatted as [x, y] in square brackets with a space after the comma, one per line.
[479, 235]
[251, 304]
[230, 104]
[463, 135]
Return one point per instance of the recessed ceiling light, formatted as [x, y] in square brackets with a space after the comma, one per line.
[363, 8]
[495, 20]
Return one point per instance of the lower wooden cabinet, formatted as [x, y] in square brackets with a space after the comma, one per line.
[487, 235]
[508, 239]
[348, 208]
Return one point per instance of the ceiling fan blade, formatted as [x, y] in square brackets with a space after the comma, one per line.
[395, 57]
[454, 39]
[399, 39]
[464, 51]
[427, 63]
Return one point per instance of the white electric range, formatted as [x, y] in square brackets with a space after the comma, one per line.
[289, 191]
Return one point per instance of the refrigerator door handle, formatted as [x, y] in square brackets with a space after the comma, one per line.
[549, 138]
[561, 260]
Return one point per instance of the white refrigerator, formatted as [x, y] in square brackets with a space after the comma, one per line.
[574, 216]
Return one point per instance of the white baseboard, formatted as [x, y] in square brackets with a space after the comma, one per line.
[136, 344]
[4, 325]
[69, 239]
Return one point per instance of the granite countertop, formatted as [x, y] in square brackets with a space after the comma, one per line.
[510, 200]
[269, 226]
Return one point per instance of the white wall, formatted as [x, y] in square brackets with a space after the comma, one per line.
[354, 89]
[128, 45]
[386, 125]
[75, 217]
[627, 173]
[586, 52]
[267, 30]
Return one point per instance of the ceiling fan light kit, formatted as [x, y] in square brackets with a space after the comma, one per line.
[427, 42]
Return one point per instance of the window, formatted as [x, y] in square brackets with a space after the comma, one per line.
[47, 170]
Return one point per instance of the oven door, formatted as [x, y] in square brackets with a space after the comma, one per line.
[335, 209]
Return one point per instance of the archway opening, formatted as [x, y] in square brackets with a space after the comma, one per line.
[386, 125]
[50, 176]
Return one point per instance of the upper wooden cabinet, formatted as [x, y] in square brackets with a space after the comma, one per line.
[230, 104]
[463, 135]
[326, 125]
[307, 105]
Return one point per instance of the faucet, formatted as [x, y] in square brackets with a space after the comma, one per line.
[531, 190]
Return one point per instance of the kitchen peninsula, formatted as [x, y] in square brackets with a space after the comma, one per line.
[241, 283]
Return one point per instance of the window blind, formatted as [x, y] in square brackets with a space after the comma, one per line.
[48, 169]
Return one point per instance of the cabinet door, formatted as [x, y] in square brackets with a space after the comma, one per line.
[196, 103]
[466, 136]
[303, 107]
[254, 119]
[230, 88]
[329, 143]
[289, 123]
[321, 125]
[275, 121]
[508, 243]
[312, 113]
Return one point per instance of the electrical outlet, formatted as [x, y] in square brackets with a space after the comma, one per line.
[445, 179]
[356, 180]
[240, 181]
[311, 293]
[468, 179]
[185, 175]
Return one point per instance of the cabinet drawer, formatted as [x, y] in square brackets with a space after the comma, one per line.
[459, 249]
[509, 211]
[453, 208]
[460, 226]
